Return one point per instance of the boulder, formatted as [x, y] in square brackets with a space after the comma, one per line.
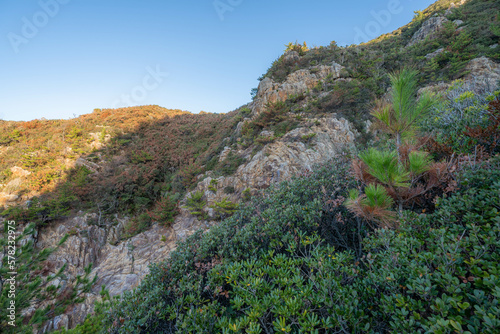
[224, 153]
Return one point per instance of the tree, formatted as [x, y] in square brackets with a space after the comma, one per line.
[400, 175]
[300, 48]
[400, 115]
[224, 208]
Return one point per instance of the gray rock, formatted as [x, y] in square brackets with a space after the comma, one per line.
[291, 56]
[266, 133]
[296, 83]
[484, 72]
[224, 153]
[429, 29]
[434, 54]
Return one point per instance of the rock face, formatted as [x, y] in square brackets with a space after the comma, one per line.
[317, 141]
[484, 71]
[296, 83]
[484, 75]
[120, 265]
[429, 29]
[291, 56]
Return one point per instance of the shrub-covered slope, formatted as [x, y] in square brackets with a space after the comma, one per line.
[128, 161]
[287, 263]
[468, 31]
[298, 257]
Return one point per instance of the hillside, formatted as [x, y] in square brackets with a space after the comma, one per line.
[257, 220]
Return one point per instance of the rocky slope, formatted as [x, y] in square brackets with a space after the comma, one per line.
[121, 263]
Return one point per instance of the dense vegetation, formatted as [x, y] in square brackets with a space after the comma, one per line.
[146, 159]
[298, 258]
[368, 64]
[402, 237]
[292, 262]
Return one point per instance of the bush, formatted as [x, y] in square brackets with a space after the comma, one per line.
[285, 222]
[270, 268]
[466, 107]
[164, 210]
[224, 209]
[195, 204]
[247, 194]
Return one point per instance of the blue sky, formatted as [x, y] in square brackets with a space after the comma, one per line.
[60, 58]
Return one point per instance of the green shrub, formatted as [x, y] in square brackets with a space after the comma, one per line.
[271, 269]
[306, 138]
[224, 209]
[138, 225]
[195, 204]
[247, 194]
[165, 210]
[213, 185]
[231, 164]
[466, 106]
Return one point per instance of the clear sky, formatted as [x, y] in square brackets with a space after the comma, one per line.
[60, 58]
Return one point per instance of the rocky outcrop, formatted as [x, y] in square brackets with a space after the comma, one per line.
[483, 71]
[291, 56]
[119, 265]
[19, 172]
[11, 190]
[483, 76]
[296, 83]
[438, 88]
[224, 153]
[318, 140]
[429, 29]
